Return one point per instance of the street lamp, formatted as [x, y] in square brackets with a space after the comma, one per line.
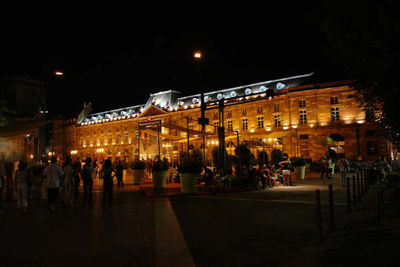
[197, 55]
[58, 73]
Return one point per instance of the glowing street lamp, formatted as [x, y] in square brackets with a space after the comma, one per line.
[58, 73]
[197, 55]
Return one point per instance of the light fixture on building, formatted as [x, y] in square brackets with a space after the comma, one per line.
[268, 129]
[360, 121]
[294, 126]
[280, 86]
[248, 91]
[285, 127]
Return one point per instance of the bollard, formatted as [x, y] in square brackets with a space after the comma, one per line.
[348, 195]
[331, 209]
[354, 191]
[378, 207]
[362, 185]
[318, 216]
[358, 188]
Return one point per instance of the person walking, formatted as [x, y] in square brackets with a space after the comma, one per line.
[69, 182]
[324, 167]
[22, 183]
[77, 178]
[108, 175]
[119, 171]
[87, 172]
[53, 173]
[9, 166]
[286, 169]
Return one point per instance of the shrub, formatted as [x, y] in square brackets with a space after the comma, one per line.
[138, 165]
[160, 165]
[191, 164]
[276, 156]
[298, 162]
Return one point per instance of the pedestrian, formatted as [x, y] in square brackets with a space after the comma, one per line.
[324, 167]
[77, 178]
[22, 181]
[286, 169]
[119, 171]
[9, 170]
[330, 168]
[108, 175]
[87, 178]
[69, 182]
[2, 174]
[53, 173]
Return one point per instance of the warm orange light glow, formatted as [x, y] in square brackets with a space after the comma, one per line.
[197, 55]
[58, 73]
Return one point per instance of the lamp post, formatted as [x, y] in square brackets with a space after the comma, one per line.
[197, 55]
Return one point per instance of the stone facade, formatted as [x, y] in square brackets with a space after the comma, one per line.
[297, 120]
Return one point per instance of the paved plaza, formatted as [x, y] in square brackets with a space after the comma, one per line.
[276, 227]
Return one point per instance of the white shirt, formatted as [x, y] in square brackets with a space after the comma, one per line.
[53, 173]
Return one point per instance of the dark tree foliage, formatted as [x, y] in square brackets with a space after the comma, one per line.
[5, 113]
[363, 39]
[246, 157]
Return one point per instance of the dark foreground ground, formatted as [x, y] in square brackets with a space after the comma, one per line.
[271, 228]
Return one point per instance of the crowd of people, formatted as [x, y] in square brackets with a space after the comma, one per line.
[66, 174]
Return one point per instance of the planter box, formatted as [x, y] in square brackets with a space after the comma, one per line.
[300, 172]
[138, 176]
[188, 183]
[159, 179]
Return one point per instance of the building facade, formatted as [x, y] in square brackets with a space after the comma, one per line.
[301, 120]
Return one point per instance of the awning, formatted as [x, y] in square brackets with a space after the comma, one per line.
[279, 134]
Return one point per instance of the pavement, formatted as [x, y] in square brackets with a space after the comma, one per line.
[272, 227]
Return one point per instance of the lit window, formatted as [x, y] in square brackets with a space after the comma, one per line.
[229, 113]
[277, 120]
[259, 110]
[230, 125]
[216, 124]
[276, 107]
[335, 114]
[302, 103]
[244, 124]
[244, 112]
[303, 116]
[334, 100]
[260, 122]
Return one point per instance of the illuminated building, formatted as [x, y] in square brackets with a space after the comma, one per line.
[301, 120]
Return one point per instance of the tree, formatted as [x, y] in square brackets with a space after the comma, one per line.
[276, 156]
[5, 113]
[262, 158]
[363, 38]
[246, 157]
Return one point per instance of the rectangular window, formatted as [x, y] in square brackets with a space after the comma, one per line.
[276, 107]
[244, 124]
[229, 113]
[216, 124]
[303, 136]
[335, 114]
[215, 116]
[260, 122]
[302, 103]
[303, 116]
[334, 100]
[259, 110]
[244, 112]
[230, 125]
[277, 120]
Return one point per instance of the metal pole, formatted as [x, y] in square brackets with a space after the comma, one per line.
[331, 209]
[318, 216]
[187, 135]
[378, 207]
[348, 195]
[358, 188]
[354, 191]
[362, 184]
[158, 141]
[138, 143]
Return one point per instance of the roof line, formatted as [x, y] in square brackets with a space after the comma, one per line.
[253, 84]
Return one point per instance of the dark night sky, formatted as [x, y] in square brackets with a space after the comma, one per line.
[118, 62]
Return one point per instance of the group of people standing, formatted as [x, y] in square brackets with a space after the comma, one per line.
[66, 176]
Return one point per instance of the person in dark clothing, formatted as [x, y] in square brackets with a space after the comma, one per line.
[108, 175]
[119, 171]
[77, 179]
[87, 178]
[9, 166]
